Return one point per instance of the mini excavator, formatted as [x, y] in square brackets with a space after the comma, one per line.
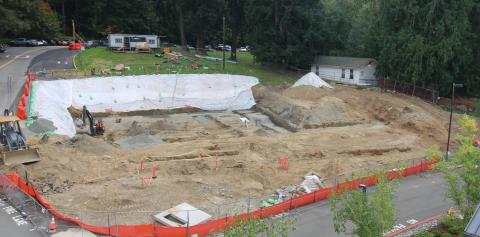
[97, 127]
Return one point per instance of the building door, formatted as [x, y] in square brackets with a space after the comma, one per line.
[317, 70]
[126, 42]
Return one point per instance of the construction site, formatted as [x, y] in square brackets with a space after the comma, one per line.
[213, 152]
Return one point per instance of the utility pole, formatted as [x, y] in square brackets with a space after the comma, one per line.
[223, 48]
[73, 30]
[451, 115]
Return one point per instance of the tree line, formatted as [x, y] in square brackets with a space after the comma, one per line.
[426, 43]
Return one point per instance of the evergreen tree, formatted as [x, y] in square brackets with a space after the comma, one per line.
[284, 32]
[424, 42]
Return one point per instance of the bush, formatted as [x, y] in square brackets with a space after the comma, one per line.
[425, 234]
[445, 235]
[455, 226]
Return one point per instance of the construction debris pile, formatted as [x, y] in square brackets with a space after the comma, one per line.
[311, 183]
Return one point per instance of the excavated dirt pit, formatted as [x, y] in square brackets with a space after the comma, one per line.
[211, 161]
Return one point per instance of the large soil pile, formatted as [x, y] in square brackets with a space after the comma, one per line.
[306, 107]
[309, 107]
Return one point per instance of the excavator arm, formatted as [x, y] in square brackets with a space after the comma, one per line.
[93, 127]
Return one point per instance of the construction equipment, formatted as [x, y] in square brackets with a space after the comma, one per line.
[97, 127]
[13, 147]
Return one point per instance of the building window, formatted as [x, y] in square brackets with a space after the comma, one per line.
[362, 73]
[343, 73]
[351, 73]
[118, 41]
[151, 41]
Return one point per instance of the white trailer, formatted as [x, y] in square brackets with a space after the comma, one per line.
[131, 42]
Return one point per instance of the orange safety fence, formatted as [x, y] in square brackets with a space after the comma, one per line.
[201, 230]
[22, 103]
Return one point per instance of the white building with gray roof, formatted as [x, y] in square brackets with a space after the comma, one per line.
[348, 70]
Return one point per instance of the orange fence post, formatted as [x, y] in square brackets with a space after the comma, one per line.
[154, 171]
[283, 163]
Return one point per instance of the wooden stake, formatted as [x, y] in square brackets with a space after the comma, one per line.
[154, 171]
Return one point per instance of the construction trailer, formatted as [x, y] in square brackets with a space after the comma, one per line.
[132, 42]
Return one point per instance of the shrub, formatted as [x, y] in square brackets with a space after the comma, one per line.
[455, 226]
[425, 234]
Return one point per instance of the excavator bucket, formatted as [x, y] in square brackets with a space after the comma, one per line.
[21, 156]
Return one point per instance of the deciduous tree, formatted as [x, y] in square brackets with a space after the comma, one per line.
[370, 213]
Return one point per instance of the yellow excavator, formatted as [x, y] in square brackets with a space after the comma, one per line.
[13, 146]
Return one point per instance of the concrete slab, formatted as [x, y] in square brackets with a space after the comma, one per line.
[182, 214]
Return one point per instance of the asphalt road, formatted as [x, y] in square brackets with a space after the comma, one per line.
[60, 58]
[416, 198]
[12, 224]
[15, 62]
[13, 66]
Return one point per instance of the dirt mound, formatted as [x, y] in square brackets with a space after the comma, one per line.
[42, 125]
[136, 129]
[306, 92]
[297, 114]
[90, 145]
[159, 125]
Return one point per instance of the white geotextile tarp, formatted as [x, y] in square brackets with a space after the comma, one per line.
[311, 79]
[146, 92]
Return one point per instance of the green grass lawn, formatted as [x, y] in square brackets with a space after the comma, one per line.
[144, 63]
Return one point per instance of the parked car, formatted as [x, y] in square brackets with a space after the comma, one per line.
[93, 43]
[34, 42]
[209, 47]
[20, 42]
[243, 49]
[52, 42]
[62, 43]
[227, 47]
[3, 48]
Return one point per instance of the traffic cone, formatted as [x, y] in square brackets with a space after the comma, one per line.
[53, 226]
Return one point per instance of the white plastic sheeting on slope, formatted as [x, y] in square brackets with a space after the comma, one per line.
[146, 92]
[311, 79]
